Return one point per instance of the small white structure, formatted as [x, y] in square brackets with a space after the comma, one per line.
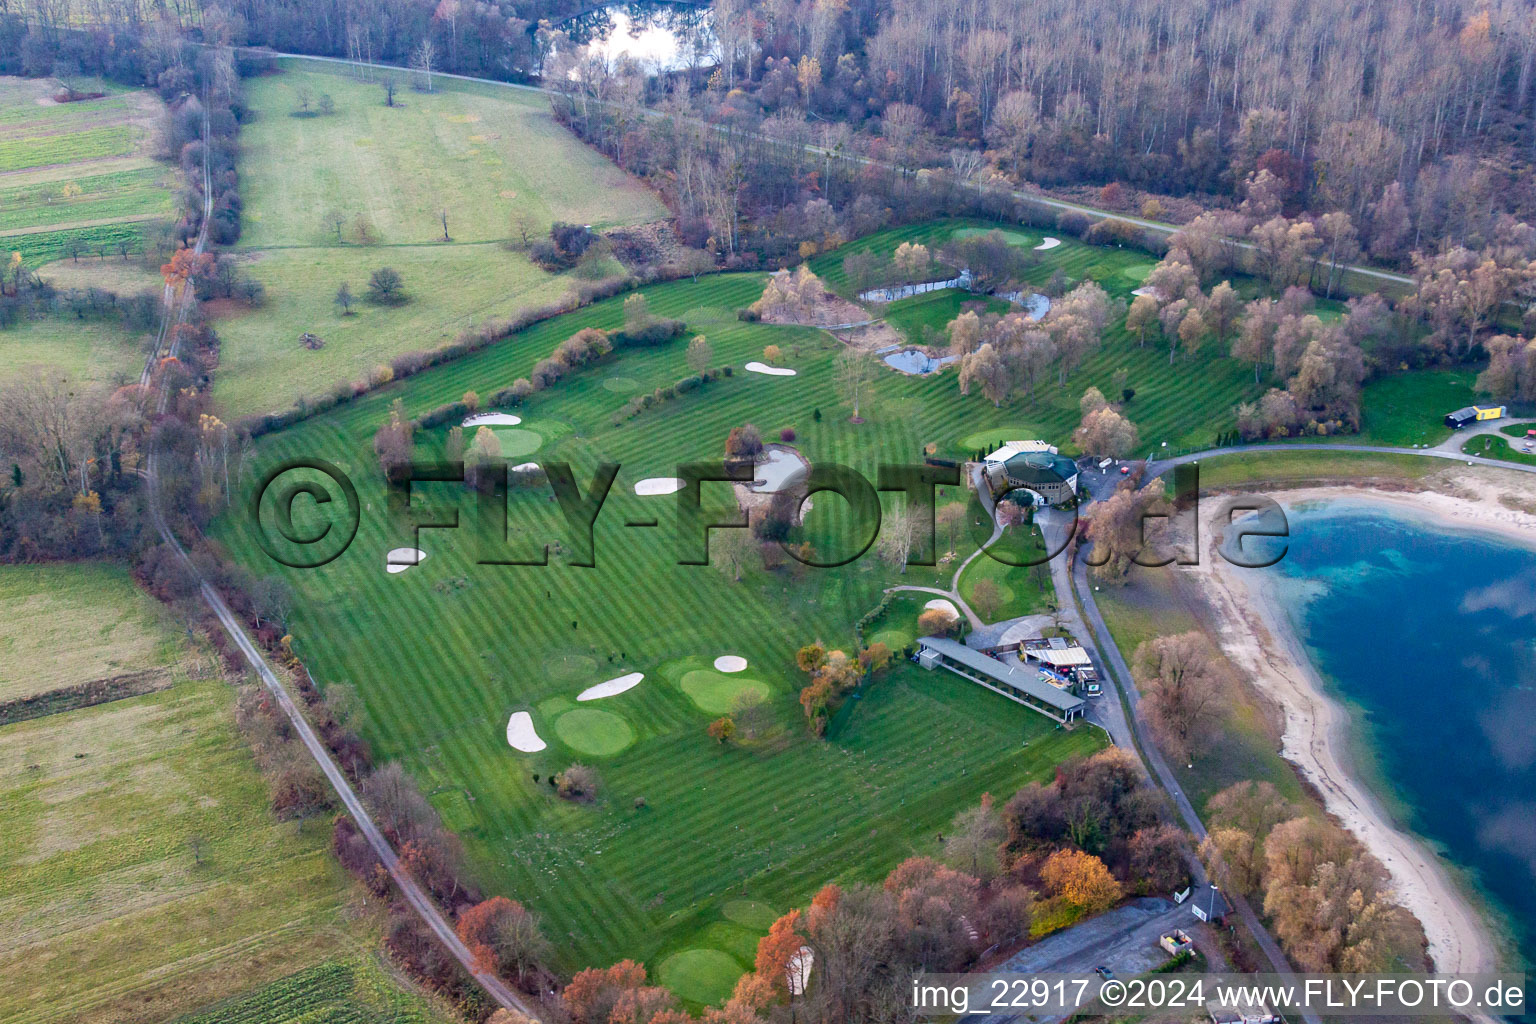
[1012, 448]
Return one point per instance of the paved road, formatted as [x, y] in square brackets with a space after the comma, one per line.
[177, 308]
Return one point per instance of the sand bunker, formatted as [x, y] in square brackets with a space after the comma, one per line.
[659, 485]
[772, 371]
[799, 970]
[525, 467]
[1145, 290]
[521, 734]
[1049, 243]
[942, 605]
[492, 419]
[401, 559]
[730, 663]
[612, 687]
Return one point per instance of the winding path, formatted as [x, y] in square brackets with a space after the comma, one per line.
[177, 308]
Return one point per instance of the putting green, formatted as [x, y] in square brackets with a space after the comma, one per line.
[1137, 271]
[571, 666]
[702, 976]
[516, 442]
[1011, 237]
[894, 639]
[594, 732]
[993, 437]
[752, 914]
[715, 693]
[621, 385]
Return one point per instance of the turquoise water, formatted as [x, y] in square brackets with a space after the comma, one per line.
[1429, 636]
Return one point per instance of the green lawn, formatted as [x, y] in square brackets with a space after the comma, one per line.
[935, 310]
[479, 158]
[1295, 468]
[1024, 590]
[86, 351]
[1492, 446]
[1407, 409]
[1517, 429]
[1246, 745]
[767, 821]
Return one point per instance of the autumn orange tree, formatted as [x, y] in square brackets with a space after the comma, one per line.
[1081, 879]
[722, 729]
[776, 949]
[503, 935]
[186, 265]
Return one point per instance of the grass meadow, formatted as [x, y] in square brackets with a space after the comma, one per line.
[389, 174]
[144, 876]
[78, 173]
[86, 351]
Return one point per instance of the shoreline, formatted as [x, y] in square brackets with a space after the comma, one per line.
[1256, 633]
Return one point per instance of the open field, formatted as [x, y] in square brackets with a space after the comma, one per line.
[482, 158]
[88, 351]
[1409, 408]
[144, 875]
[67, 624]
[768, 819]
[394, 172]
[262, 366]
[78, 176]
[359, 990]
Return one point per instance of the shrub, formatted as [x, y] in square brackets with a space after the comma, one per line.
[578, 782]
[787, 435]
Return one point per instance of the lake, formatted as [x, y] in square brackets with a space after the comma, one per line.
[1429, 637]
[661, 37]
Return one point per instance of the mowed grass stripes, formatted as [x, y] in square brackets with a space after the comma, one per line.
[444, 652]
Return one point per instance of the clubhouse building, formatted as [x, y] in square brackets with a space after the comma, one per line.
[1034, 465]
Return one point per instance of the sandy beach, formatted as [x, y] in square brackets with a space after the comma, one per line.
[1257, 636]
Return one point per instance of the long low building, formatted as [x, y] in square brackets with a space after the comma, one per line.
[1021, 685]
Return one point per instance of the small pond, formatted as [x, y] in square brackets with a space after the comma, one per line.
[916, 361]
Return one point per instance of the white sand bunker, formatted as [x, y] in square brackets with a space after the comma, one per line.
[492, 419]
[612, 687]
[659, 485]
[798, 970]
[1049, 243]
[401, 559]
[525, 467]
[944, 605]
[1145, 290]
[521, 734]
[730, 663]
[772, 371]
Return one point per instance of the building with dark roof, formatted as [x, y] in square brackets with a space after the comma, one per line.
[1020, 685]
[1034, 465]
